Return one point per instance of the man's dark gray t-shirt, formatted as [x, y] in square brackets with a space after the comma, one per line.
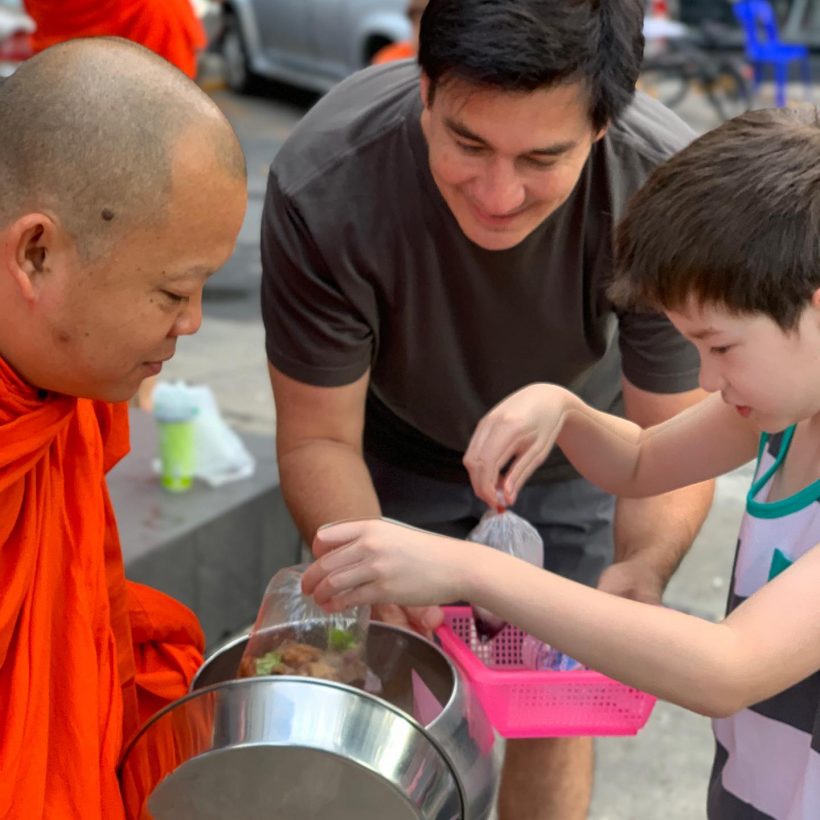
[364, 266]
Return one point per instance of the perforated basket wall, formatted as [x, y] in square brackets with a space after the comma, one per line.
[521, 702]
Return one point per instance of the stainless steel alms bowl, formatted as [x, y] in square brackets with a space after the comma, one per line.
[303, 749]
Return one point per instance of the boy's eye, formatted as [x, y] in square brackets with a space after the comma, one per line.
[720, 350]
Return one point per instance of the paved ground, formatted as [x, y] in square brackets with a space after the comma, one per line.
[661, 773]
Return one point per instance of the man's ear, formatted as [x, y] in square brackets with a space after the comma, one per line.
[815, 300]
[602, 133]
[27, 247]
[424, 89]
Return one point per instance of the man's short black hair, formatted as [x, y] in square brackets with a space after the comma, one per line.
[733, 220]
[525, 45]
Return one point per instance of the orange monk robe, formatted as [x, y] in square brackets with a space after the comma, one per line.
[168, 27]
[395, 51]
[84, 654]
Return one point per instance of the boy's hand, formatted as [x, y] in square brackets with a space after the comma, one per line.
[379, 562]
[520, 432]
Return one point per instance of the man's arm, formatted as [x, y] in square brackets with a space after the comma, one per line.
[319, 447]
[653, 534]
[322, 470]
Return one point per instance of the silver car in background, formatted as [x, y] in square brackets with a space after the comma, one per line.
[308, 43]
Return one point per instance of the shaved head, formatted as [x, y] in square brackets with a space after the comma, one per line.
[122, 189]
[89, 132]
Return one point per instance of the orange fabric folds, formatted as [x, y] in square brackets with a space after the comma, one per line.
[168, 646]
[69, 686]
[168, 27]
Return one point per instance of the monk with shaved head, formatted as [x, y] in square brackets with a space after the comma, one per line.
[122, 188]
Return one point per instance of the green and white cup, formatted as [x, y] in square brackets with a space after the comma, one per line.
[175, 414]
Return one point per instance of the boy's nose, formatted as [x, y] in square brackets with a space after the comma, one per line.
[710, 379]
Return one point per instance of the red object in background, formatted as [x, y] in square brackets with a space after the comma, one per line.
[16, 48]
[659, 8]
[170, 28]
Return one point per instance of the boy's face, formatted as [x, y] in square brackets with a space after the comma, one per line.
[771, 377]
[503, 161]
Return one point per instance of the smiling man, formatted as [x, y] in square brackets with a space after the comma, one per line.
[436, 237]
[122, 187]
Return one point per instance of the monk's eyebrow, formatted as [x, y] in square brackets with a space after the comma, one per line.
[555, 150]
[199, 271]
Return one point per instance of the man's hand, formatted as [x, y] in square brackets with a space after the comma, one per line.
[423, 619]
[633, 579]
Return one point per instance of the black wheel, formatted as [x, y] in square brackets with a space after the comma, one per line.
[667, 84]
[729, 92]
[234, 50]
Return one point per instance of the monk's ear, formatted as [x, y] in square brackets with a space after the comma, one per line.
[28, 250]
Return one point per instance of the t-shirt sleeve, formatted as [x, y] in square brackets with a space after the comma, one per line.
[654, 356]
[317, 329]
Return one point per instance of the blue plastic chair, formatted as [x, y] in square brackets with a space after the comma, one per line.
[765, 48]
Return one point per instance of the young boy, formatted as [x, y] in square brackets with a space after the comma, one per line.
[725, 238]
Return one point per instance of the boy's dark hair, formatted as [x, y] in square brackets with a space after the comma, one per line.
[732, 220]
[525, 45]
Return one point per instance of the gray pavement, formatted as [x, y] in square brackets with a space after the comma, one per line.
[662, 772]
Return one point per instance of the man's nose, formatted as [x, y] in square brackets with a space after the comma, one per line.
[500, 191]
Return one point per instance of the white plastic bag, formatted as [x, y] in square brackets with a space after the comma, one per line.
[507, 532]
[220, 456]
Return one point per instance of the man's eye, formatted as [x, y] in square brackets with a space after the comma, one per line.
[540, 164]
[469, 148]
[720, 350]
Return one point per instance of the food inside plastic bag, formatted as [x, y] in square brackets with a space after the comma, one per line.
[505, 531]
[294, 636]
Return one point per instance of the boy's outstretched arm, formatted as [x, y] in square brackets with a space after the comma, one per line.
[767, 644]
[646, 555]
[619, 456]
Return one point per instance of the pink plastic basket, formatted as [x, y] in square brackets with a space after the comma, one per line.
[521, 702]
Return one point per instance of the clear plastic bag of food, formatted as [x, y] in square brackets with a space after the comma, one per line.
[294, 636]
[507, 532]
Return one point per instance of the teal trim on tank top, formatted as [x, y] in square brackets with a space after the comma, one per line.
[785, 506]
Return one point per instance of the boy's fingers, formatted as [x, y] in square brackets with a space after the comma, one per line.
[484, 464]
[331, 536]
[358, 597]
[332, 560]
[341, 582]
[520, 471]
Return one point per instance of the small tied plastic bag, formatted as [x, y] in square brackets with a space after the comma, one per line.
[294, 636]
[507, 532]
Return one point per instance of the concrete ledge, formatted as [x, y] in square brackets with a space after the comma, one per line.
[212, 549]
